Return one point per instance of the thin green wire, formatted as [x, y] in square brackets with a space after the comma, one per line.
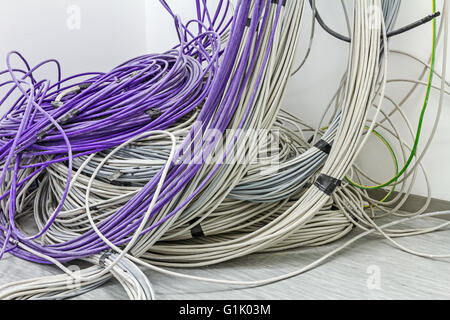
[422, 116]
[394, 158]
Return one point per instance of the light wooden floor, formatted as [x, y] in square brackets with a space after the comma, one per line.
[402, 276]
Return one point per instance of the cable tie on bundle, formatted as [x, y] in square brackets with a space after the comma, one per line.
[57, 103]
[84, 85]
[355, 218]
[249, 20]
[277, 1]
[324, 146]
[42, 134]
[327, 184]
[307, 185]
[197, 230]
[63, 119]
[69, 115]
[283, 4]
[154, 113]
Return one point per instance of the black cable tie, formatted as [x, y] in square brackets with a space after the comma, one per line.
[249, 20]
[307, 185]
[277, 1]
[327, 184]
[69, 115]
[154, 113]
[323, 146]
[41, 134]
[85, 85]
[355, 218]
[81, 87]
[61, 120]
[197, 230]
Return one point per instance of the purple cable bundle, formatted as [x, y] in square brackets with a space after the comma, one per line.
[67, 119]
[223, 95]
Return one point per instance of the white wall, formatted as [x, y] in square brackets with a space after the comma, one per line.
[112, 31]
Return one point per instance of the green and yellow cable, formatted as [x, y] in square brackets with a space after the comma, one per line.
[394, 159]
[422, 116]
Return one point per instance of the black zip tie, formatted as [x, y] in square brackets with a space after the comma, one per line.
[249, 20]
[57, 104]
[307, 185]
[276, 2]
[69, 115]
[41, 134]
[327, 184]
[323, 146]
[81, 87]
[154, 113]
[197, 230]
[355, 218]
[63, 119]
[85, 85]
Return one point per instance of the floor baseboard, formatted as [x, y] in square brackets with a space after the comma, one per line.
[415, 203]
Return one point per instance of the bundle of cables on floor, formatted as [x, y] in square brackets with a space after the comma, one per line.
[187, 158]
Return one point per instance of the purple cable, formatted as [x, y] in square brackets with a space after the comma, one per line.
[174, 82]
[218, 110]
